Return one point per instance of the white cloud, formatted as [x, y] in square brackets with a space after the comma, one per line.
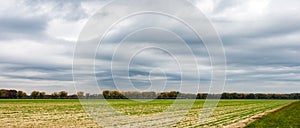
[261, 39]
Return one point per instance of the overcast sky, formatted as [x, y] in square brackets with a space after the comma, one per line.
[261, 39]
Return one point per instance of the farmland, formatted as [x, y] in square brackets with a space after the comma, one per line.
[69, 113]
[287, 117]
[43, 113]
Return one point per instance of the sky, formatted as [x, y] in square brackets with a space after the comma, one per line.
[260, 39]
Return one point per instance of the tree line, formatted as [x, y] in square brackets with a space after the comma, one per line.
[112, 94]
[14, 94]
[175, 94]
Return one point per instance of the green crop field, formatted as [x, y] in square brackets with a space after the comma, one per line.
[288, 117]
[69, 113]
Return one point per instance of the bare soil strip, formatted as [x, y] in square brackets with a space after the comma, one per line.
[244, 123]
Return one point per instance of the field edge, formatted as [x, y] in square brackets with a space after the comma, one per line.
[245, 122]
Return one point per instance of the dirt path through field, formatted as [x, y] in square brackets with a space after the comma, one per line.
[244, 123]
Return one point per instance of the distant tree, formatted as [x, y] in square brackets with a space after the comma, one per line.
[54, 95]
[8, 94]
[226, 96]
[41, 95]
[63, 94]
[2, 93]
[240, 96]
[73, 97]
[163, 95]
[21, 94]
[261, 96]
[106, 94]
[80, 94]
[148, 95]
[294, 96]
[251, 96]
[34, 94]
[200, 95]
[12, 94]
[234, 95]
[274, 96]
[173, 94]
[87, 95]
[115, 95]
[282, 96]
[135, 95]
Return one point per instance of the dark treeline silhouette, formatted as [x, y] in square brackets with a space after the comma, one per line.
[174, 94]
[14, 94]
[108, 94]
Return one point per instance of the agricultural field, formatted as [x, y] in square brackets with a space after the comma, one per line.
[69, 113]
[287, 117]
[43, 113]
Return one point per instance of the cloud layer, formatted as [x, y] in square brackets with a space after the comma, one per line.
[260, 37]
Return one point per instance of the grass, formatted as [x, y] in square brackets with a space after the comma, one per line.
[69, 113]
[288, 117]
